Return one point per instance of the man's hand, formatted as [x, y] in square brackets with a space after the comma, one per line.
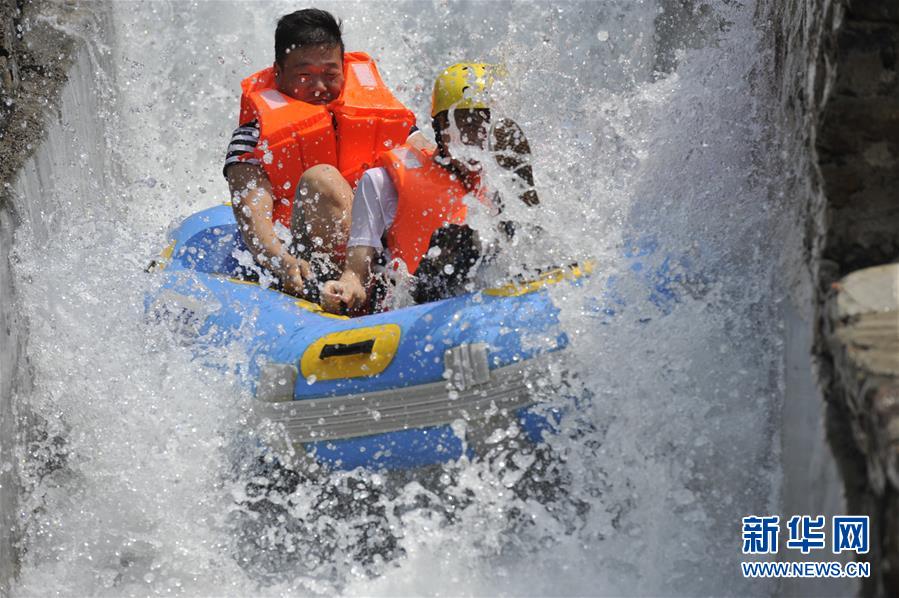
[293, 273]
[420, 141]
[348, 291]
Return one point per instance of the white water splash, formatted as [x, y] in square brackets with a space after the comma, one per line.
[678, 442]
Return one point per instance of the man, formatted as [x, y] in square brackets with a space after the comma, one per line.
[414, 200]
[309, 126]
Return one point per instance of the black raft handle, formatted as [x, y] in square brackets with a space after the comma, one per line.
[342, 350]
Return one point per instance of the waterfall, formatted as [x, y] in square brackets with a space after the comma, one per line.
[650, 121]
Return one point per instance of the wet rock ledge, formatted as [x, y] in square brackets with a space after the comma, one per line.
[35, 56]
[861, 329]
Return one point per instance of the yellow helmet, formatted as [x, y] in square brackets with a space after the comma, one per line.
[462, 86]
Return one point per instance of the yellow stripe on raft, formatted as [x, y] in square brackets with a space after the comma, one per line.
[316, 308]
[164, 256]
[301, 303]
[557, 275]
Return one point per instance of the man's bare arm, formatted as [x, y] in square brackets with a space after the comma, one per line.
[513, 152]
[252, 201]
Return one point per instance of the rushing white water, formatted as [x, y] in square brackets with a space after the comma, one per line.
[680, 439]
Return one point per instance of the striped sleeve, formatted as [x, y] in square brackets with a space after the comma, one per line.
[243, 145]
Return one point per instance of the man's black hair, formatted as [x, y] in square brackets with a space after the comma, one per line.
[307, 27]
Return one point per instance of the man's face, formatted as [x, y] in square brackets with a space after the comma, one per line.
[312, 74]
[470, 128]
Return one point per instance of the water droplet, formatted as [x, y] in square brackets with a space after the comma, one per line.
[603, 36]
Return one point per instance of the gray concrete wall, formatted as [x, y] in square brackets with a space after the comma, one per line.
[11, 349]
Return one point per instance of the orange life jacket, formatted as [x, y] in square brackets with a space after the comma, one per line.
[429, 197]
[348, 133]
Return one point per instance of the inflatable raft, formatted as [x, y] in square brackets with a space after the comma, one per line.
[397, 389]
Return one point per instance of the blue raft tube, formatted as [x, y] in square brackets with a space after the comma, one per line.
[382, 391]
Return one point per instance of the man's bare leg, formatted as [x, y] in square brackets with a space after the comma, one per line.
[321, 216]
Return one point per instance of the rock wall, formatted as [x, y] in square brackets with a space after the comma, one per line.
[858, 157]
[48, 108]
[835, 70]
[858, 141]
[796, 73]
[836, 73]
